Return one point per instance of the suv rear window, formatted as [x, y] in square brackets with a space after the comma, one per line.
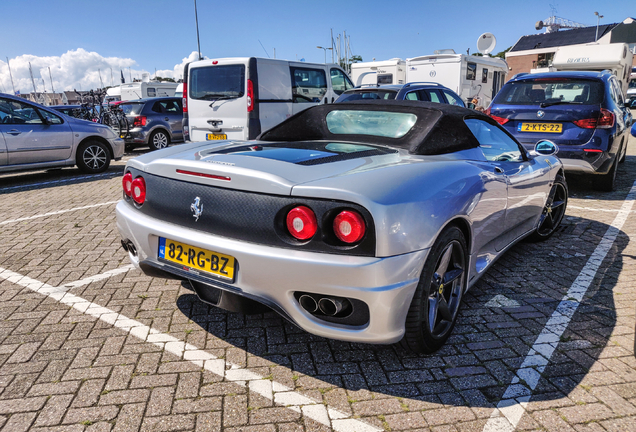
[367, 95]
[216, 82]
[551, 91]
[133, 108]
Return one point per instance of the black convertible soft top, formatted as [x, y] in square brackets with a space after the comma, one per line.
[439, 128]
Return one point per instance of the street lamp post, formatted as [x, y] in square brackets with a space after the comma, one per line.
[319, 47]
[598, 18]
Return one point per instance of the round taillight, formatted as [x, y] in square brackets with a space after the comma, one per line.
[301, 223]
[349, 226]
[126, 183]
[139, 190]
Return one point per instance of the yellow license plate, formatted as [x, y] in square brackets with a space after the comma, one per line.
[541, 127]
[197, 259]
[217, 137]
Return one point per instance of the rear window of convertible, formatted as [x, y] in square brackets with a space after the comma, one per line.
[376, 123]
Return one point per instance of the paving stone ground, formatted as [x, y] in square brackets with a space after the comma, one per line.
[64, 370]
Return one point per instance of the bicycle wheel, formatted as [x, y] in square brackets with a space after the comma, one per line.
[110, 119]
[124, 126]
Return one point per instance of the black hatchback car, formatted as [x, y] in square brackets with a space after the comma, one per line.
[584, 113]
[154, 122]
[428, 92]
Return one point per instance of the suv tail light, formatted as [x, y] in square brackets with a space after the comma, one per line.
[604, 121]
[301, 223]
[140, 121]
[349, 226]
[185, 97]
[126, 183]
[139, 190]
[250, 96]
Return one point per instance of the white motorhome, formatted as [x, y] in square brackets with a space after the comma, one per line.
[113, 94]
[146, 88]
[238, 98]
[471, 77]
[615, 57]
[379, 72]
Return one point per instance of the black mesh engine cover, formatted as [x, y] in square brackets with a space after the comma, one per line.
[248, 216]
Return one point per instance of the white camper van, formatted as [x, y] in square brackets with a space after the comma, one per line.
[615, 57]
[238, 98]
[471, 77]
[379, 72]
[146, 88]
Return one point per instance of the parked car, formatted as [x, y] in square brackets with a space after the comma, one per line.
[584, 113]
[154, 122]
[362, 221]
[429, 92]
[33, 136]
[240, 97]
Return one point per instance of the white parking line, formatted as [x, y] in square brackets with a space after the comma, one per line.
[511, 408]
[280, 394]
[71, 179]
[99, 277]
[594, 209]
[58, 212]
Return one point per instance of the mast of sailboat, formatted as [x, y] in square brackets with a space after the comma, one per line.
[99, 71]
[51, 78]
[11, 75]
[32, 80]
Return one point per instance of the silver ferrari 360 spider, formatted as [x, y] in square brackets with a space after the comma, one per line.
[360, 221]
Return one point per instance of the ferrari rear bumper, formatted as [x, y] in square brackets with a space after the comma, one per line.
[272, 275]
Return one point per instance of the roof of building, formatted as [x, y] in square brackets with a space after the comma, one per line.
[562, 38]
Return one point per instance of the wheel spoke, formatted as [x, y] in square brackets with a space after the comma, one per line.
[452, 276]
[556, 204]
[443, 263]
[433, 305]
[443, 309]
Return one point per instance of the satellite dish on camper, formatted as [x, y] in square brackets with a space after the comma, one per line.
[538, 25]
[486, 43]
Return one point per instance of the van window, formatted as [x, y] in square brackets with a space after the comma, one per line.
[385, 79]
[471, 71]
[214, 82]
[151, 92]
[308, 85]
[484, 75]
[340, 82]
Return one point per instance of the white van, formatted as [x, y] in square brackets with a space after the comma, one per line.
[238, 98]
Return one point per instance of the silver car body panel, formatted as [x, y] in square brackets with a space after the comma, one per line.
[412, 198]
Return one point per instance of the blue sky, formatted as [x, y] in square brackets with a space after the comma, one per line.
[145, 34]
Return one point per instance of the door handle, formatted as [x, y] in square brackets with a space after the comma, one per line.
[166, 119]
[14, 132]
[499, 170]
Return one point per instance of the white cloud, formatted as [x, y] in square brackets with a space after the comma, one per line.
[78, 69]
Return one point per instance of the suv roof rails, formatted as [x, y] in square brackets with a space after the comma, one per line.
[423, 83]
[367, 85]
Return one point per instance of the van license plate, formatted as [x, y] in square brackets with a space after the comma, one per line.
[540, 127]
[195, 260]
[214, 137]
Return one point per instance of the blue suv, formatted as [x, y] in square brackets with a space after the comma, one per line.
[426, 91]
[584, 113]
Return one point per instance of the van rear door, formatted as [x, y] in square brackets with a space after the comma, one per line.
[217, 99]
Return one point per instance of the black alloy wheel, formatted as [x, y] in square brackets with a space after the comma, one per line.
[437, 299]
[553, 212]
[93, 157]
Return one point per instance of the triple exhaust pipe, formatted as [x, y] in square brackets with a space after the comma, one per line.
[329, 306]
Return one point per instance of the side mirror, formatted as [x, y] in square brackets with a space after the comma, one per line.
[546, 148]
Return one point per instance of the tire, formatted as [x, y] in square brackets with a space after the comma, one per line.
[553, 212]
[159, 140]
[607, 182]
[93, 157]
[433, 311]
